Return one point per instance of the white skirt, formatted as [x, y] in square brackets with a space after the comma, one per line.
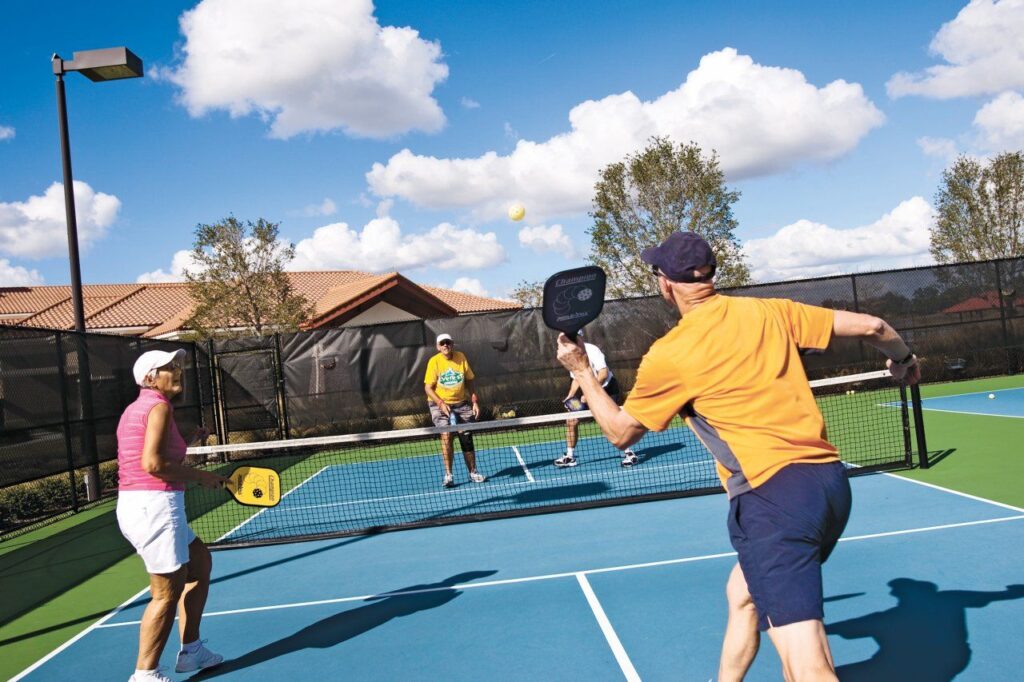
[154, 522]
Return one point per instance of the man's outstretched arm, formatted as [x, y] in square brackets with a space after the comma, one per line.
[878, 333]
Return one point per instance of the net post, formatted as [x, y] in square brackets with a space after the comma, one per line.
[922, 446]
[908, 446]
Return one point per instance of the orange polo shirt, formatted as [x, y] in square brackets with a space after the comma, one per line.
[732, 369]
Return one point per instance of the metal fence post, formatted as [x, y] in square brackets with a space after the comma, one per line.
[282, 393]
[1002, 319]
[67, 422]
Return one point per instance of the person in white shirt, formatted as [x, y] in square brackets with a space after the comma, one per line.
[575, 402]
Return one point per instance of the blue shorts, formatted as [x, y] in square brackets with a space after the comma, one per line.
[783, 531]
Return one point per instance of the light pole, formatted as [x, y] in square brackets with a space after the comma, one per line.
[109, 64]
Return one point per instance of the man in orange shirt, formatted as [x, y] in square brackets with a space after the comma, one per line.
[732, 369]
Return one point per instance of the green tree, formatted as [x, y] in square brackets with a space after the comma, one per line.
[641, 200]
[980, 210]
[529, 294]
[238, 280]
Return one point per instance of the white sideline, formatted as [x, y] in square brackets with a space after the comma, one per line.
[522, 463]
[80, 635]
[609, 632]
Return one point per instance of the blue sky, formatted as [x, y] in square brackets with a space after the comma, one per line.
[394, 135]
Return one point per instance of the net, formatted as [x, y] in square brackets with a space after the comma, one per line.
[352, 484]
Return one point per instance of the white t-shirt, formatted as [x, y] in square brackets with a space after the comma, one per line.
[597, 362]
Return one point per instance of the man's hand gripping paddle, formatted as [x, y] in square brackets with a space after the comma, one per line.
[255, 486]
[573, 298]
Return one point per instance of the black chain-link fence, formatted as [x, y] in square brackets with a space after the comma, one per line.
[61, 395]
[963, 321]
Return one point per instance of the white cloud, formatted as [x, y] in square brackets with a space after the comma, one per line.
[983, 50]
[324, 208]
[940, 148]
[17, 276]
[181, 261]
[308, 66]
[760, 119]
[381, 247]
[541, 238]
[6, 133]
[469, 103]
[1000, 123]
[898, 239]
[469, 285]
[37, 227]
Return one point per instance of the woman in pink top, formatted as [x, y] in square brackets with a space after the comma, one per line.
[151, 515]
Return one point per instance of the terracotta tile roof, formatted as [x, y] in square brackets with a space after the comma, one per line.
[341, 294]
[31, 300]
[468, 303]
[164, 307]
[988, 300]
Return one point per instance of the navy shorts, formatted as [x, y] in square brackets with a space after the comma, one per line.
[783, 531]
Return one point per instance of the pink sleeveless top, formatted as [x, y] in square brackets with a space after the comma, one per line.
[131, 434]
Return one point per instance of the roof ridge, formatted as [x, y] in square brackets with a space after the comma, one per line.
[137, 289]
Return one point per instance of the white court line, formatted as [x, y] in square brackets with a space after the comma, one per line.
[266, 508]
[956, 492]
[570, 574]
[80, 635]
[977, 414]
[609, 632]
[522, 463]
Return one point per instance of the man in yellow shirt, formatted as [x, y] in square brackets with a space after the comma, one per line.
[732, 369]
[452, 399]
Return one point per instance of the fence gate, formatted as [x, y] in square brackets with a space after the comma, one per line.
[250, 396]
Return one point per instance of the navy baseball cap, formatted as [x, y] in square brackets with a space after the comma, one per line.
[679, 255]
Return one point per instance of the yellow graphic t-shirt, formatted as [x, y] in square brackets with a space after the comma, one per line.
[449, 377]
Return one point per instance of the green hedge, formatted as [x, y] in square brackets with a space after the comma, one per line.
[27, 502]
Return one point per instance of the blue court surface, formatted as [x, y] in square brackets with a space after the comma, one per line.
[1007, 402]
[925, 585]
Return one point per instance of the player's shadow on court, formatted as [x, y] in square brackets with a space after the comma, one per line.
[923, 637]
[351, 623]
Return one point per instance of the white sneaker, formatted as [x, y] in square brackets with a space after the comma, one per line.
[197, 660]
[149, 676]
[477, 477]
[629, 458]
[448, 482]
[566, 461]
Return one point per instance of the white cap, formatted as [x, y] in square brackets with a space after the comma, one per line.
[444, 337]
[154, 359]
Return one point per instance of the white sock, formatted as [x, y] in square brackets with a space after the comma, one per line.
[143, 674]
[568, 451]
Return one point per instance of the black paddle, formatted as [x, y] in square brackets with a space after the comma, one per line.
[573, 299]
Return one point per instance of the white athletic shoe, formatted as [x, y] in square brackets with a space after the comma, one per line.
[629, 458]
[566, 461]
[448, 482]
[149, 676]
[477, 477]
[197, 660]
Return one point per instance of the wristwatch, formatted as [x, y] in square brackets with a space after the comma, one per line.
[905, 361]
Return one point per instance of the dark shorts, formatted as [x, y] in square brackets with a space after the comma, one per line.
[783, 531]
[464, 412]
